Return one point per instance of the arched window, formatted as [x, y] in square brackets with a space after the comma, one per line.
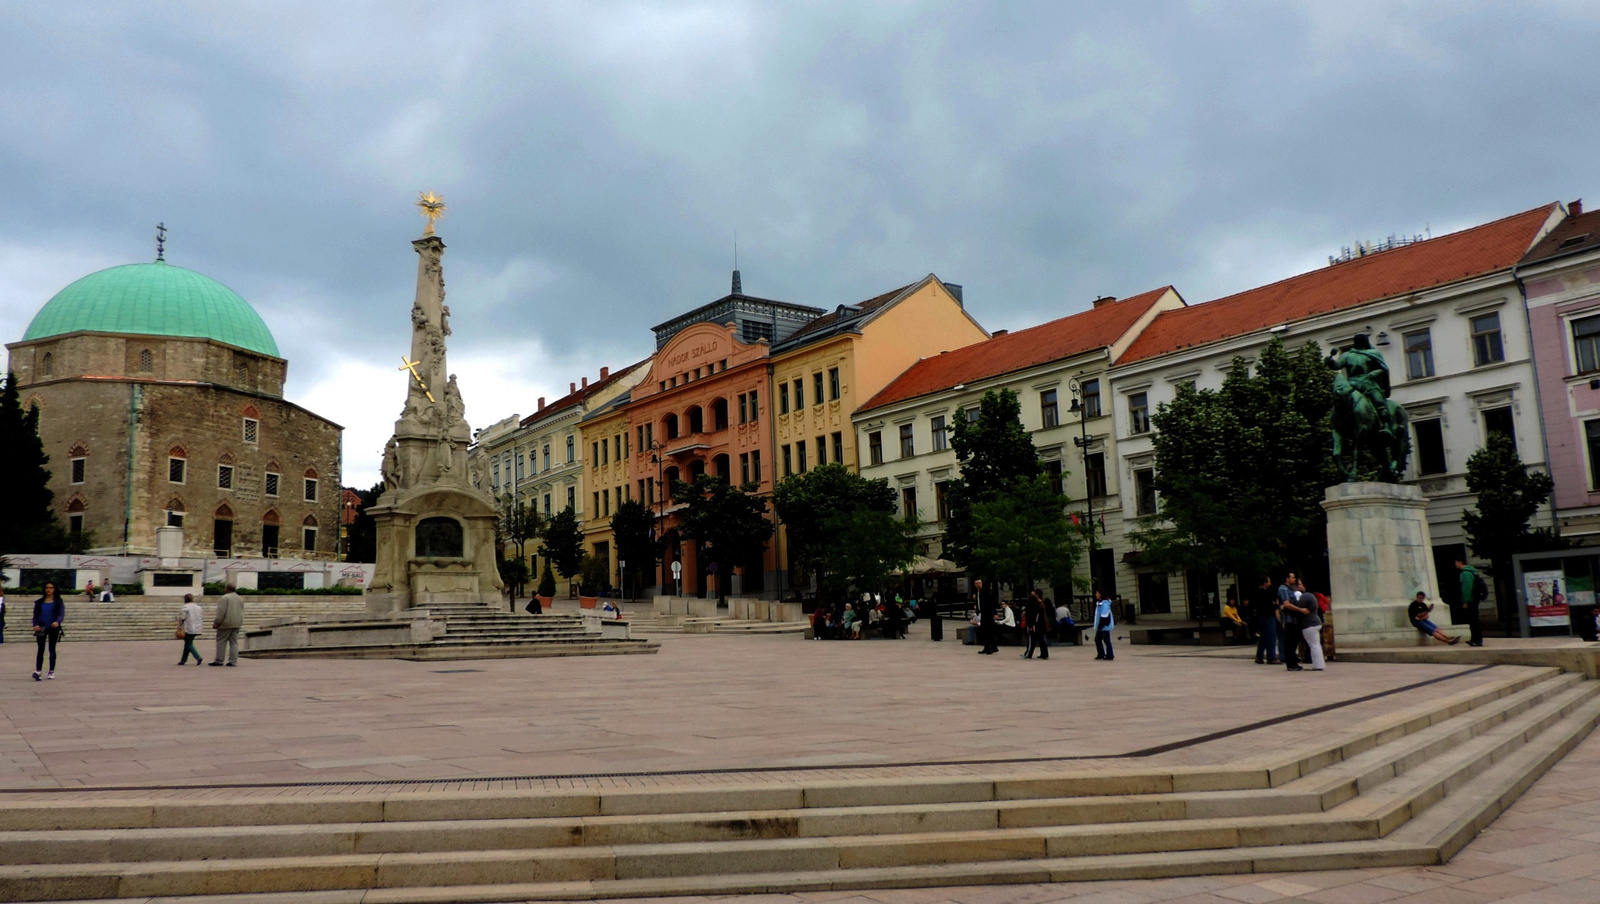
[224, 511]
[669, 426]
[79, 458]
[75, 510]
[225, 472]
[440, 538]
[719, 465]
[147, 361]
[270, 523]
[273, 478]
[175, 511]
[48, 364]
[251, 417]
[696, 468]
[719, 414]
[222, 532]
[311, 485]
[178, 465]
[697, 420]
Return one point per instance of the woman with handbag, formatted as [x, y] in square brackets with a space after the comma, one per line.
[49, 611]
[190, 622]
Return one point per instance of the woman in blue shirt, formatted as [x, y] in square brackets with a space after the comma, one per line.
[1103, 623]
[48, 613]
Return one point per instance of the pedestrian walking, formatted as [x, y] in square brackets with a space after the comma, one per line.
[1104, 621]
[1036, 625]
[49, 611]
[988, 609]
[190, 621]
[2, 615]
[1473, 592]
[1264, 609]
[1288, 623]
[1309, 617]
[230, 618]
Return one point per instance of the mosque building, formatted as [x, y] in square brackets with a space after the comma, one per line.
[160, 397]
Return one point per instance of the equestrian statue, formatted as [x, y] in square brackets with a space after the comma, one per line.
[1364, 417]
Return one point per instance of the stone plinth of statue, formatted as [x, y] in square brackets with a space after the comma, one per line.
[435, 524]
[1380, 554]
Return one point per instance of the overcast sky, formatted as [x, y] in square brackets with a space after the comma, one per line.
[598, 159]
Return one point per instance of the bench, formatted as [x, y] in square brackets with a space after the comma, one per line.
[1187, 633]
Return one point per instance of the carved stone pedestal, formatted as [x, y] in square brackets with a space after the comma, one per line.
[1379, 555]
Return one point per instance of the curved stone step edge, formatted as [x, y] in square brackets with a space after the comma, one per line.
[1410, 796]
[1388, 727]
[1455, 821]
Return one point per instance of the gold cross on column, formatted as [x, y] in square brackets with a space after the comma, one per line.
[412, 366]
[432, 207]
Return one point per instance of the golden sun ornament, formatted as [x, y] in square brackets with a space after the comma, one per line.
[432, 207]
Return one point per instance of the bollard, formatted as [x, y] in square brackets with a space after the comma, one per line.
[935, 625]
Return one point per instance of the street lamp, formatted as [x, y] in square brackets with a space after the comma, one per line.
[655, 528]
[1082, 441]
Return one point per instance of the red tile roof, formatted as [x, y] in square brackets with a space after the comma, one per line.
[1579, 232]
[1009, 352]
[1386, 274]
[581, 394]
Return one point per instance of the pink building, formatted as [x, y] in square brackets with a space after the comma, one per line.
[1561, 281]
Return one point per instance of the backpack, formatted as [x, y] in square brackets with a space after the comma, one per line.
[1480, 590]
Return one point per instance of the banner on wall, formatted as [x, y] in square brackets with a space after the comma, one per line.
[1546, 600]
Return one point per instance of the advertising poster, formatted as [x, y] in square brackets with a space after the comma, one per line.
[1580, 590]
[1547, 603]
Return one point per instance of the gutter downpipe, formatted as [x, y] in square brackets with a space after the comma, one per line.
[1538, 401]
[135, 399]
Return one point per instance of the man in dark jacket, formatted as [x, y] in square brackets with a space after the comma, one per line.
[1473, 592]
[988, 607]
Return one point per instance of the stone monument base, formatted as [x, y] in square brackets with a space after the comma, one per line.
[1380, 554]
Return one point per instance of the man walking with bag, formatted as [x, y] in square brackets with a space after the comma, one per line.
[230, 618]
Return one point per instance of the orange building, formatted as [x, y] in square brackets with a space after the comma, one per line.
[704, 409]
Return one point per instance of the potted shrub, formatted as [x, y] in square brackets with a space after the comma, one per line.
[592, 578]
[547, 587]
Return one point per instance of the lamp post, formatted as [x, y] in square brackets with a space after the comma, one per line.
[1083, 442]
[655, 528]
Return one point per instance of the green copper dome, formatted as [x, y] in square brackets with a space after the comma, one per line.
[154, 299]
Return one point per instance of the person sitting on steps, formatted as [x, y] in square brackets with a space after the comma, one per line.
[1418, 613]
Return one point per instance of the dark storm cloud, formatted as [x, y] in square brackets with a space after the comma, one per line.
[599, 158]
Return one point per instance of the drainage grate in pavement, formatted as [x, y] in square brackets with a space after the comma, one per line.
[454, 671]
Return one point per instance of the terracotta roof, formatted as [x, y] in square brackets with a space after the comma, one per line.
[1386, 274]
[580, 394]
[842, 313]
[1009, 352]
[1577, 233]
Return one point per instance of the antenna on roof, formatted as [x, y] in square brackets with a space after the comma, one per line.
[161, 241]
[737, 288]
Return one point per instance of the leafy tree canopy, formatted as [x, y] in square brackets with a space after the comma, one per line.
[1508, 495]
[1241, 471]
[1021, 535]
[995, 453]
[631, 525]
[27, 522]
[563, 542]
[842, 528]
[518, 522]
[729, 521]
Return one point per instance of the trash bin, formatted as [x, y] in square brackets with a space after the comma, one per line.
[935, 625]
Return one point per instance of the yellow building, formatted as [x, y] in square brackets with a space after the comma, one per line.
[608, 445]
[829, 367]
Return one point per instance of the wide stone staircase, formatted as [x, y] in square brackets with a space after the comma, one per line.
[155, 617]
[477, 631]
[1409, 787]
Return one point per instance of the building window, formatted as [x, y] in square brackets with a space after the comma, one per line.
[147, 361]
[908, 443]
[1144, 485]
[605, 502]
[1052, 473]
[783, 397]
[572, 498]
[800, 456]
[252, 430]
[75, 523]
[1591, 437]
[308, 539]
[594, 455]
[547, 456]
[177, 469]
[174, 518]
[875, 447]
[755, 466]
[1586, 342]
[908, 502]
[494, 474]
[838, 448]
[272, 484]
[719, 413]
[941, 433]
[941, 503]
[744, 467]
[78, 465]
[816, 388]
[1139, 412]
[572, 450]
[1430, 446]
[547, 512]
[973, 414]
[822, 451]
[799, 394]
[833, 383]
[594, 502]
[744, 415]
[311, 489]
[1049, 411]
[1419, 354]
[788, 460]
[1486, 345]
[48, 365]
[1091, 398]
[1499, 420]
[1094, 474]
[224, 477]
[755, 406]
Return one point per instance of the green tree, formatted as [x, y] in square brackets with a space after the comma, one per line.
[995, 453]
[27, 523]
[361, 541]
[547, 582]
[730, 523]
[1022, 535]
[631, 525]
[562, 542]
[1241, 471]
[1497, 527]
[518, 523]
[817, 506]
[872, 545]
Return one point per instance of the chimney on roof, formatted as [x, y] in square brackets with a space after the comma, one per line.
[605, 372]
[1104, 300]
[737, 288]
[541, 403]
[1575, 208]
[571, 388]
[585, 382]
[998, 333]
